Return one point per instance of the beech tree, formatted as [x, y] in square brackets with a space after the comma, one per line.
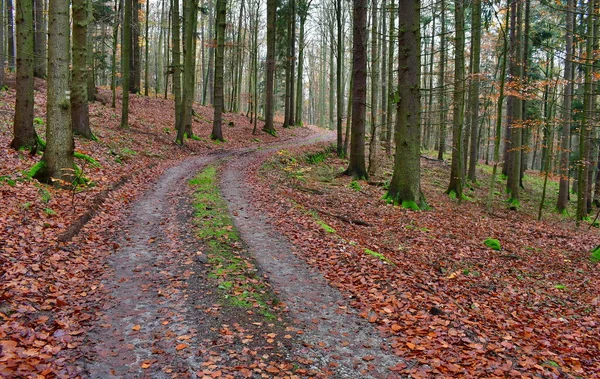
[270, 66]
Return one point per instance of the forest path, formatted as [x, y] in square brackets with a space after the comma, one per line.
[163, 319]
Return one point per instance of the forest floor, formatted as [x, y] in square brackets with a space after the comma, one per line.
[254, 258]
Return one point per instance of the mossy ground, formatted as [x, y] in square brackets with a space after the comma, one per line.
[233, 270]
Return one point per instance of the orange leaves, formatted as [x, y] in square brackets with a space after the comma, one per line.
[181, 346]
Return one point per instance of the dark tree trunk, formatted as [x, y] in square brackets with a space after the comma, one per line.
[24, 133]
[125, 62]
[40, 39]
[270, 74]
[135, 73]
[12, 51]
[217, 133]
[356, 167]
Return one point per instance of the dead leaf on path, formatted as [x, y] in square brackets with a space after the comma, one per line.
[136, 327]
[181, 346]
[146, 364]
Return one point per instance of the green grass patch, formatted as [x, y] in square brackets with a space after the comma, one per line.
[493, 244]
[325, 227]
[355, 185]
[379, 256]
[595, 256]
[235, 273]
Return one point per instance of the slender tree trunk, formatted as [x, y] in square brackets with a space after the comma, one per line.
[338, 74]
[146, 84]
[383, 85]
[390, 82]
[270, 74]
[456, 172]
[135, 74]
[217, 133]
[40, 39]
[348, 117]
[587, 121]
[24, 133]
[563, 192]
[405, 186]
[189, 69]
[58, 161]
[79, 99]
[12, 50]
[118, 7]
[516, 126]
[498, 134]
[474, 88]
[176, 68]
[356, 167]
[2, 44]
[89, 56]
[373, 143]
[290, 121]
[441, 82]
[125, 62]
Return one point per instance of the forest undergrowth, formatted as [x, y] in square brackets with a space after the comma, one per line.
[452, 306]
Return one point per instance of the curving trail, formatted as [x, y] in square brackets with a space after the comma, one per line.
[158, 324]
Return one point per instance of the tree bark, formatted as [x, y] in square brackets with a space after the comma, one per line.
[217, 133]
[441, 82]
[270, 74]
[125, 63]
[474, 88]
[40, 39]
[135, 73]
[24, 133]
[79, 99]
[58, 164]
[374, 142]
[405, 186]
[456, 172]
[356, 166]
[12, 48]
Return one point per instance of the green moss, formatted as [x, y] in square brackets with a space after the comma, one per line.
[271, 132]
[595, 256]
[492, 243]
[560, 287]
[513, 203]
[410, 205]
[36, 168]
[236, 278]
[325, 227]
[379, 256]
[87, 158]
[355, 185]
[49, 211]
[452, 195]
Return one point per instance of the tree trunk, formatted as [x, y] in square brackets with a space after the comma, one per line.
[474, 88]
[40, 39]
[89, 54]
[405, 186]
[441, 82]
[563, 191]
[113, 86]
[456, 172]
[24, 133]
[587, 121]
[146, 84]
[12, 51]
[374, 142]
[217, 133]
[303, 8]
[516, 126]
[189, 69]
[79, 105]
[356, 166]
[2, 44]
[176, 68]
[270, 74]
[125, 63]
[338, 73]
[135, 74]
[58, 157]
[390, 82]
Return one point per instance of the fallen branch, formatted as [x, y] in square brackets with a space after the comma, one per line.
[343, 218]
